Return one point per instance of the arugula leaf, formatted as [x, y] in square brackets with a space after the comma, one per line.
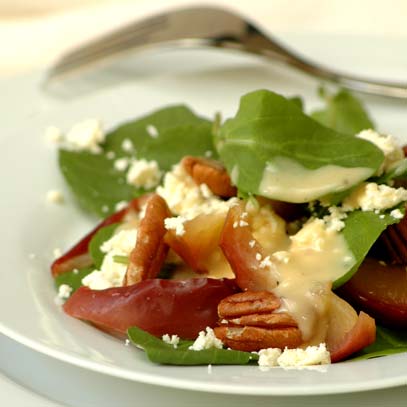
[72, 278]
[361, 230]
[97, 240]
[343, 113]
[98, 186]
[160, 352]
[388, 342]
[397, 172]
[268, 127]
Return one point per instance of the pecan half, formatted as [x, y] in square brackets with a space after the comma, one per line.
[249, 323]
[150, 251]
[211, 173]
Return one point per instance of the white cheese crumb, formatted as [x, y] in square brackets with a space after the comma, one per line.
[111, 273]
[54, 135]
[152, 131]
[86, 136]
[397, 214]
[127, 342]
[64, 291]
[258, 256]
[312, 355]
[75, 271]
[282, 256]
[268, 357]
[252, 243]
[243, 223]
[121, 164]
[144, 174]
[175, 223]
[206, 192]
[57, 252]
[334, 221]
[371, 196]
[206, 340]
[55, 197]
[171, 340]
[110, 155]
[265, 263]
[235, 224]
[184, 197]
[389, 146]
[127, 145]
[120, 205]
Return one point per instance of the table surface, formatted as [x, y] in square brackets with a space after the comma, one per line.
[30, 379]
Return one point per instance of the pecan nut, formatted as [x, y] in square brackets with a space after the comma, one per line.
[150, 250]
[211, 173]
[249, 323]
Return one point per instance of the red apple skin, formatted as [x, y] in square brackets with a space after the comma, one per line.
[78, 256]
[361, 335]
[174, 307]
[380, 291]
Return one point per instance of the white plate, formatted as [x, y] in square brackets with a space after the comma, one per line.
[207, 81]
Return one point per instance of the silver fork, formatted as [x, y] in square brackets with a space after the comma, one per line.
[208, 27]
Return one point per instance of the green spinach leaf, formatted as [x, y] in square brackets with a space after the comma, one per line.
[268, 128]
[72, 278]
[388, 342]
[96, 183]
[160, 352]
[361, 230]
[97, 240]
[343, 113]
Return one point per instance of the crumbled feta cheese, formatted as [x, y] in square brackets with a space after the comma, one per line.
[252, 243]
[258, 256]
[206, 192]
[53, 135]
[86, 136]
[152, 131]
[389, 146]
[144, 174]
[175, 223]
[127, 145]
[265, 263]
[243, 223]
[397, 214]
[184, 197]
[206, 340]
[312, 355]
[54, 196]
[121, 164]
[282, 256]
[268, 357]
[57, 252]
[111, 273]
[171, 340]
[334, 221]
[110, 155]
[235, 224]
[64, 291]
[120, 205]
[371, 196]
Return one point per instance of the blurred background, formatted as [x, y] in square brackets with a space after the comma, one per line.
[34, 32]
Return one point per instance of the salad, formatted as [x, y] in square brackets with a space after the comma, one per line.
[272, 237]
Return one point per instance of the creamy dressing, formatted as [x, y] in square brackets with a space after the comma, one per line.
[287, 180]
[305, 265]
